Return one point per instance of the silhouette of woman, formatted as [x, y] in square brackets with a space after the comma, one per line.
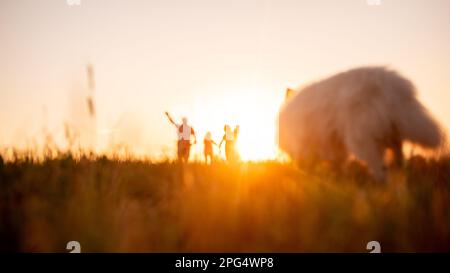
[230, 137]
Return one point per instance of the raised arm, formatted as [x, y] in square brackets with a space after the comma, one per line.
[220, 144]
[195, 136]
[170, 118]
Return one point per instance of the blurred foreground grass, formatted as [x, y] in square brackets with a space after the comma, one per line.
[135, 206]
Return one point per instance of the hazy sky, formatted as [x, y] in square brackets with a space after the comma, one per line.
[205, 59]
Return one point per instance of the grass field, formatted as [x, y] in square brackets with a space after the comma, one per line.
[138, 206]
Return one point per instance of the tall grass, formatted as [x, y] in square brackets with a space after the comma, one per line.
[139, 206]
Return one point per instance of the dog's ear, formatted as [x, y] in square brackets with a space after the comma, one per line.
[289, 93]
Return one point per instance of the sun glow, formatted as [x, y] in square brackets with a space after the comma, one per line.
[254, 109]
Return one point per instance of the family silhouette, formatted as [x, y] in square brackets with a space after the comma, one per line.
[186, 133]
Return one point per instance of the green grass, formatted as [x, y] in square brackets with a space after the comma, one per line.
[137, 206]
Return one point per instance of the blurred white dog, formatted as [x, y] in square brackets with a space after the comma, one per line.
[360, 112]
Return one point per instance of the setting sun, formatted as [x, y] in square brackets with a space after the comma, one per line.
[252, 107]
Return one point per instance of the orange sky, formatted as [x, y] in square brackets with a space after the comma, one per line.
[213, 61]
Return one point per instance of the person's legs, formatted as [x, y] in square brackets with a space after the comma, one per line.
[230, 151]
[235, 153]
[180, 150]
[206, 153]
[211, 158]
[187, 147]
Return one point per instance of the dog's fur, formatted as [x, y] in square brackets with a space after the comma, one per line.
[360, 112]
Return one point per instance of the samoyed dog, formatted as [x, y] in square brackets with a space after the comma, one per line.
[360, 113]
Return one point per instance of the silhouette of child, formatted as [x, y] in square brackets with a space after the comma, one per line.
[208, 148]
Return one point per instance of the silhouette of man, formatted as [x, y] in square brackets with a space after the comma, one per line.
[185, 132]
